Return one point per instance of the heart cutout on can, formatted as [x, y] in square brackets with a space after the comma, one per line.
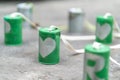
[103, 31]
[7, 27]
[46, 46]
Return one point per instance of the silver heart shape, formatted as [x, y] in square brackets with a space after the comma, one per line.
[103, 31]
[46, 46]
[7, 27]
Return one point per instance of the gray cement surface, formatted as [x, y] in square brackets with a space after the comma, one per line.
[21, 62]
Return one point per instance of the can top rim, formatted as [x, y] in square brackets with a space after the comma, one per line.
[11, 17]
[101, 19]
[91, 49]
[25, 5]
[104, 18]
[47, 30]
[75, 10]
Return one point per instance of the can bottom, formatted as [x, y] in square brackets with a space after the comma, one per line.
[13, 44]
[48, 63]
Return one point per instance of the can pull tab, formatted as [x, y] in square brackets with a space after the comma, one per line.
[96, 45]
[52, 27]
[14, 14]
[107, 15]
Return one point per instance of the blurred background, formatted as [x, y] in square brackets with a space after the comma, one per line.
[55, 12]
[21, 62]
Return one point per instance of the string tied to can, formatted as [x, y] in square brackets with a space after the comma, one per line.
[34, 25]
[96, 45]
[52, 27]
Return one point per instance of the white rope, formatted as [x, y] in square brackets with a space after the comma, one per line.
[80, 51]
[68, 45]
[117, 34]
[114, 61]
[116, 26]
[25, 18]
[73, 38]
[90, 37]
[115, 46]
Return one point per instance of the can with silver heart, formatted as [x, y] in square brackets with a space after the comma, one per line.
[49, 45]
[13, 29]
[27, 10]
[76, 20]
[104, 28]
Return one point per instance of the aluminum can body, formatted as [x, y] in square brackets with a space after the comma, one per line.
[96, 63]
[13, 30]
[104, 29]
[76, 20]
[49, 45]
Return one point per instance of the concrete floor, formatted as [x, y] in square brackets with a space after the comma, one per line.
[21, 62]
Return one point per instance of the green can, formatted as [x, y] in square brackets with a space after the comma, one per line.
[49, 45]
[104, 28]
[96, 62]
[12, 30]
